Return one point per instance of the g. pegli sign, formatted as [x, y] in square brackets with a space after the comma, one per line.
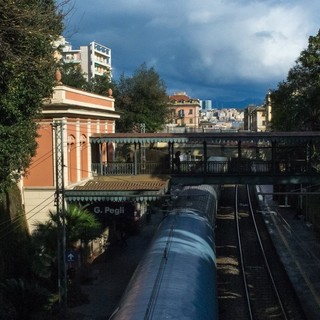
[106, 210]
[112, 208]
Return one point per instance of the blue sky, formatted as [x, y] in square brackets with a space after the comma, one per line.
[227, 51]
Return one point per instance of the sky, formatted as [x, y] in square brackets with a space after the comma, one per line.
[228, 51]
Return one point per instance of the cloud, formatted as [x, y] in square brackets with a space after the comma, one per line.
[229, 48]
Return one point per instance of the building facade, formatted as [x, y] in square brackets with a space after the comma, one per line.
[80, 115]
[255, 118]
[184, 111]
[94, 58]
[206, 104]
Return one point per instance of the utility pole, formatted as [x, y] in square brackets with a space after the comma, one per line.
[60, 208]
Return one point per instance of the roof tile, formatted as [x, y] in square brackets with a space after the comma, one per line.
[123, 185]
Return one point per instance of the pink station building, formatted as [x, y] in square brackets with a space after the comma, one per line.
[82, 114]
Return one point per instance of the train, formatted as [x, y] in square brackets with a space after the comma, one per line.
[176, 278]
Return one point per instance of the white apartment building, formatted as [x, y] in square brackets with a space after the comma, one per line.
[94, 59]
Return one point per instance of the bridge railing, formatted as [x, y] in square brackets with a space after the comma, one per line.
[234, 166]
[123, 168]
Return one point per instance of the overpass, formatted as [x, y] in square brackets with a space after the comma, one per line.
[212, 157]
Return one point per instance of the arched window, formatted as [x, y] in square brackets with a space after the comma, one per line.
[83, 140]
[71, 142]
[83, 157]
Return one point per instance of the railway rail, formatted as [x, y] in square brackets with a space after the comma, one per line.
[262, 296]
[257, 286]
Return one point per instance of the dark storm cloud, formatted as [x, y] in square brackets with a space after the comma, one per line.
[213, 49]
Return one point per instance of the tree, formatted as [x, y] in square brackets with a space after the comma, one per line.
[100, 84]
[72, 76]
[25, 297]
[27, 66]
[296, 101]
[35, 289]
[141, 98]
[80, 225]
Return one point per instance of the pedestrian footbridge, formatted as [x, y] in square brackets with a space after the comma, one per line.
[214, 157]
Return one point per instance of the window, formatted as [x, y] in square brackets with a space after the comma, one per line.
[181, 113]
[71, 140]
[83, 140]
[190, 111]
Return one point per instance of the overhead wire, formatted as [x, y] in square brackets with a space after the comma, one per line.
[37, 162]
[13, 226]
[24, 214]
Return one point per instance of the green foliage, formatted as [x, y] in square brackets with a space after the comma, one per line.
[141, 98]
[27, 66]
[100, 85]
[296, 101]
[13, 235]
[80, 225]
[72, 76]
[25, 296]
[45, 242]
[7, 311]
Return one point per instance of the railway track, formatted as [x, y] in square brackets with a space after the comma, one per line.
[260, 286]
[262, 296]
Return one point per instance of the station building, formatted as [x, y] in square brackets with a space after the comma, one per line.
[80, 114]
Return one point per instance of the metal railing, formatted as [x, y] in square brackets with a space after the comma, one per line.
[122, 168]
[231, 167]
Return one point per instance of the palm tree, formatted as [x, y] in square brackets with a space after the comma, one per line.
[81, 226]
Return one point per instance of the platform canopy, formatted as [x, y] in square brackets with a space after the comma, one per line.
[120, 188]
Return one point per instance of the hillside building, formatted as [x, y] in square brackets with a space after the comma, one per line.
[184, 111]
[255, 118]
[94, 59]
[206, 105]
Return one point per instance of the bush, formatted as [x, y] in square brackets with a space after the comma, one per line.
[25, 297]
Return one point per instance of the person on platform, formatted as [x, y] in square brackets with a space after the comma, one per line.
[177, 161]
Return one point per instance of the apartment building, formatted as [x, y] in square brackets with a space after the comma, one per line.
[184, 110]
[94, 59]
[255, 118]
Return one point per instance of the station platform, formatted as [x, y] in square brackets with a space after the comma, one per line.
[299, 249]
[111, 273]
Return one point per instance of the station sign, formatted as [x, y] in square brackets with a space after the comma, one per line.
[109, 208]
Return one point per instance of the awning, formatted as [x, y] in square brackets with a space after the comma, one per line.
[83, 195]
[125, 188]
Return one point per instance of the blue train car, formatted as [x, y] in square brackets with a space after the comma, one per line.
[202, 198]
[176, 279]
